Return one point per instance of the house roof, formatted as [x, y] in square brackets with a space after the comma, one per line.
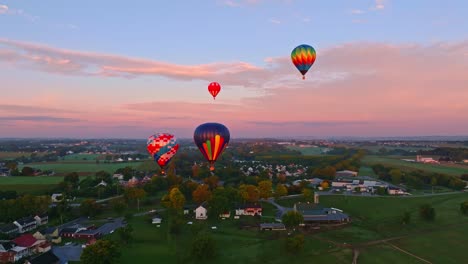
[26, 220]
[43, 215]
[272, 225]
[5, 246]
[48, 231]
[245, 206]
[46, 258]
[26, 240]
[18, 249]
[69, 230]
[8, 228]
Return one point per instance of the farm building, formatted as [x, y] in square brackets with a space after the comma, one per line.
[315, 213]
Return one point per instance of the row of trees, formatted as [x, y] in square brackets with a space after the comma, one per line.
[26, 205]
[417, 178]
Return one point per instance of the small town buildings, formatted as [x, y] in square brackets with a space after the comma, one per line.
[201, 213]
[156, 220]
[9, 229]
[26, 224]
[249, 209]
[27, 245]
[189, 208]
[316, 214]
[50, 234]
[421, 159]
[396, 191]
[272, 226]
[119, 177]
[41, 219]
[6, 254]
[46, 258]
[346, 173]
[102, 183]
[226, 214]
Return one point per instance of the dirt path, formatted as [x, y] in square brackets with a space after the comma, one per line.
[408, 253]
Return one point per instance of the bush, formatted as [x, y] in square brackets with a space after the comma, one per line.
[427, 212]
[295, 244]
[464, 208]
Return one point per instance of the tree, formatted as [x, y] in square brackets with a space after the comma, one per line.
[126, 234]
[295, 244]
[324, 184]
[103, 176]
[101, 252]
[249, 193]
[203, 247]
[72, 179]
[118, 205]
[201, 194]
[395, 174]
[89, 207]
[135, 194]
[27, 171]
[308, 195]
[265, 189]
[464, 208]
[292, 219]
[427, 212]
[195, 171]
[212, 181]
[281, 190]
[406, 218]
[381, 191]
[177, 199]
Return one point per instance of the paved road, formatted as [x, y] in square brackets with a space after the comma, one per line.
[389, 196]
[98, 201]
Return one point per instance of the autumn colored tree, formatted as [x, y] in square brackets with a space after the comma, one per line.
[396, 176]
[195, 171]
[201, 194]
[212, 181]
[101, 252]
[282, 177]
[176, 198]
[325, 185]
[265, 188]
[249, 193]
[135, 194]
[89, 207]
[308, 195]
[281, 190]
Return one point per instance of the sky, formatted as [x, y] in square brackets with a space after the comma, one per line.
[94, 69]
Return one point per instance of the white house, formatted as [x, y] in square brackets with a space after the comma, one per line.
[118, 176]
[56, 197]
[156, 220]
[102, 183]
[201, 213]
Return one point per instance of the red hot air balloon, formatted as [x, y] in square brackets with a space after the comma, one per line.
[214, 89]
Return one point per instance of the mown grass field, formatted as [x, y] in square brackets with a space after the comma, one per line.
[85, 167]
[308, 151]
[449, 169]
[13, 155]
[366, 171]
[29, 185]
[82, 157]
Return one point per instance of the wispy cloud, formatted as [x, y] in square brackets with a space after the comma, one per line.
[3, 9]
[357, 11]
[379, 5]
[274, 21]
[53, 119]
[310, 123]
[239, 3]
[31, 109]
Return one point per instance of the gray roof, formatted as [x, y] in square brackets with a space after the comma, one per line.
[8, 228]
[68, 253]
[26, 220]
[272, 225]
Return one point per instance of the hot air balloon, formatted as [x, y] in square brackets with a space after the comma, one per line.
[214, 89]
[303, 56]
[211, 139]
[162, 147]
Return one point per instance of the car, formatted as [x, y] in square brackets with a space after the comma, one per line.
[189, 223]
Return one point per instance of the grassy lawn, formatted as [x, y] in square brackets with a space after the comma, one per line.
[29, 184]
[383, 254]
[449, 169]
[82, 157]
[308, 150]
[13, 155]
[66, 167]
[366, 171]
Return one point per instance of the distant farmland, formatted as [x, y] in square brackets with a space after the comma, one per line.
[308, 150]
[449, 169]
[85, 167]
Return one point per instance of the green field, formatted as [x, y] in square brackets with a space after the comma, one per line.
[29, 185]
[82, 157]
[449, 169]
[366, 171]
[308, 151]
[13, 155]
[85, 167]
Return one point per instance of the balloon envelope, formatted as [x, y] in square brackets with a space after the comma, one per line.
[211, 139]
[162, 147]
[214, 89]
[303, 56]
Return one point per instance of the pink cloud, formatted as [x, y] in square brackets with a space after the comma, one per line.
[356, 89]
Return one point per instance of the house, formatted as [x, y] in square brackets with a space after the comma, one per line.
[201, 213]
[315, 213]
[26, 224]
[88, 234]
[249, 209]
[396, 191]
[28, 245]
[272, 226]
[57, 197]
[119, 160]
[4, 172]
[70, 232]
[421, 159]
[156, 220]
[6, 254]
[189, 208]
[102, 183]
[119, 177]
[42, 219]
[226, 214]
[346, 173]
[67, 254]
[20, 252]
[50, 234]
[9, 229]
[46, 258]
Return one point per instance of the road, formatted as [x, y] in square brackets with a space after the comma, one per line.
[99, 201]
